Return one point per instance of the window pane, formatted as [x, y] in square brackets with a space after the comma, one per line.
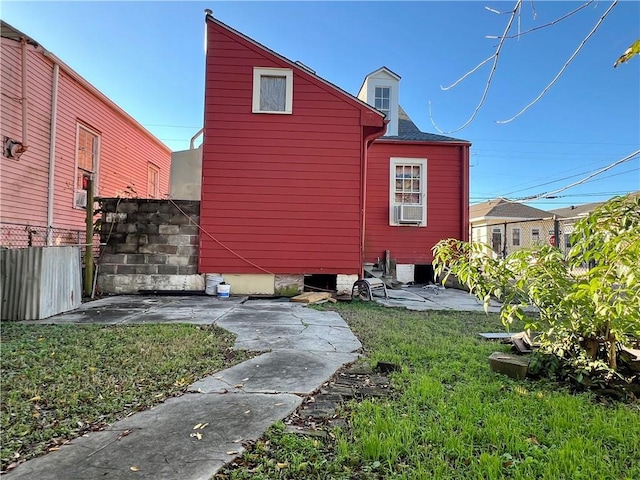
[273, 93]
[385, 104]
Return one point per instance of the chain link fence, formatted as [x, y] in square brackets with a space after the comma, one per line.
[15, 235]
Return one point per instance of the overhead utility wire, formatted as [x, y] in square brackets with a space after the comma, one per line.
[585, 179]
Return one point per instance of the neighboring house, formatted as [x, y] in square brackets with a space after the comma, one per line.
[508, 226]
[57, 131]
[299, 185]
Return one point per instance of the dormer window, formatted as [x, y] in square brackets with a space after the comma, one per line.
[381, 100]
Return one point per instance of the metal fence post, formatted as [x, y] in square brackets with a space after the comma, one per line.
[556, 231]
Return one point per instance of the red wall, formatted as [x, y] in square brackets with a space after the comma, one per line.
[445, 201]
[282, 191]
[125, 148]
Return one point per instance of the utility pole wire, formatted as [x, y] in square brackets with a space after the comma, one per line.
[550, 24]
[495, 56]
[564, 67]
[631, 156]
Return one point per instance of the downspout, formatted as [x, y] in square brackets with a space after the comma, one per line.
[52, 152]
[365, 165]
[25, 145]
[465, 233]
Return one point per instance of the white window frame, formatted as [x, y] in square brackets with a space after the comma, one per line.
[535, 235]
[152, 167]
[287, 74]
[387, 112]
[96, 163]
[513, 236]
[401, 161]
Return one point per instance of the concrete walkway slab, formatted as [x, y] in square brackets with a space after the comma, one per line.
[291, 371]
[419, 299]
[157, 444]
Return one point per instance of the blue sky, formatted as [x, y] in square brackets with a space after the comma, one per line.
[149, 58]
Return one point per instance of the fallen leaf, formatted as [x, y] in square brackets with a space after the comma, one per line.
[245, 379]
[232, 452]
[35, 414]
[35, 399]
[124, 433]
[239, 385]
[204, 425]
[199, 425]
[238, 440]
[278, 404]
[54, 449]
[248, 411]
[282, 465]
[134, 468]
[198, 435]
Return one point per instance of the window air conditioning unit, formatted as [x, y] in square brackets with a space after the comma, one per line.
[410, 214]
[81, 198]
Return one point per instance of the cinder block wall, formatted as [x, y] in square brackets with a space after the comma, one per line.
[148, 244]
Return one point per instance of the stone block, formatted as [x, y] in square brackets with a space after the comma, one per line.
[112, 217]
[147, 248]
[169, 230]
[168, 269]
[126, 269]
[177, 260]
[190, 207]
[187, 250]
[147, 228]
[180, 240]
[149, 207]
[170, 249]
[514, 366]
[127, 206]
[157, 258]
[344, 283]
[108, 268]
[194, 240]
[109, 258]
[179, 219]
[136, 259]
[146, 269]
[158, 239]
[189, 230]
[126, 248]
[187, 269]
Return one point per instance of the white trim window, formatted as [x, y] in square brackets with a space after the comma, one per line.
[535, 236]
[515, 237]
[382, 100]
[153, 181]
[272, 90]
[408, 192]
[87, 151]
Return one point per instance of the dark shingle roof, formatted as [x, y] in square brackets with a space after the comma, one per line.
[501, 208]
[407, 130]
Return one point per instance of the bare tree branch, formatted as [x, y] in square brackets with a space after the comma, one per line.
[495, 56]
[564, 67]
[540, 27]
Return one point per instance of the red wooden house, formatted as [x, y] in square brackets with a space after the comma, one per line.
[57, 130]
[299, 183]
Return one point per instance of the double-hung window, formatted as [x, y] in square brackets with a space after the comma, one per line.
[272, 90]
[382, 99]
[535, 236]
[408, 192]
[515, 237]
[87, 164]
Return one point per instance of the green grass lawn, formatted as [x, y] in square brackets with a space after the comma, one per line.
[59, 381]
[452, 418]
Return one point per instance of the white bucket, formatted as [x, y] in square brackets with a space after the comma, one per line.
[211, 281]
[223, 290]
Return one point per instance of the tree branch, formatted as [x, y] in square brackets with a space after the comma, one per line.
[540, 27]
[495, 56]
[564, 67]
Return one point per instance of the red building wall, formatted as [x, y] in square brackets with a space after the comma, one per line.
[125, 147]
[282, 192]
[447, 199]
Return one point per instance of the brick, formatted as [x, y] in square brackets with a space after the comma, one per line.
[168, 230]
[194, 240]
[127, 206]
[157, 259]
[172, 249]
[148, 248]
[188, 269]
[168, 269]
[176, 260]
[180, 240]
[126, 269]
[158, 239]
[193, 260]
[187, 250]
[126, 248]
[147, 228]
[189, 230]
[108, 268]
[146, 269]
[108, 258]
[136, 259]
[149, 207]
[179, 219]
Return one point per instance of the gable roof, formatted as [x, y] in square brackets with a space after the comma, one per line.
[408, 131]
[305, 70]
[385, 70]
[584, 209]
[502, 208]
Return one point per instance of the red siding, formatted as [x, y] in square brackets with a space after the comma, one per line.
[125, 148]
[445, 201]
[281, 191]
